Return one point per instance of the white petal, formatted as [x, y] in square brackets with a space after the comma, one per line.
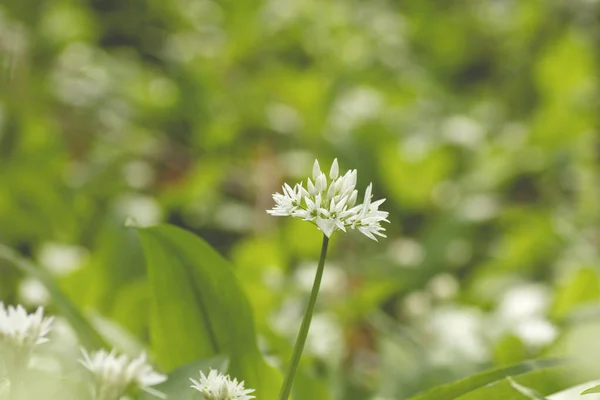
[335, 170]
[316, 170]
[326, 225]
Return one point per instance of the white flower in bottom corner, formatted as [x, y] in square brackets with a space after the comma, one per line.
[113, 374]
[217, 386]
[20, 331]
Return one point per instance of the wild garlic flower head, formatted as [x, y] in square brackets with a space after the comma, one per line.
[217, 386]
[332, 205]
[21, 331]
[114, 374]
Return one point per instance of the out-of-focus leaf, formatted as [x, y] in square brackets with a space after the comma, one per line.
[509, 350]
[86, 332]
[199, 310]
[464, 386]
[595, 389]
[582, 288]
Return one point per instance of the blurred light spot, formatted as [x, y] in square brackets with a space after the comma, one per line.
[353, 108]
[200, 12]
[273, 278]
[283, 118]
[185, 47]
[445, 194]
[63, 22]
[325, 338]
[63, 337]
[163, 92]
[14, 43]
[61, 259]
[138, 174]
[356, 51]
[479, 208]
[407, 252]
[524, 301]
[142, 209]
[458, 251]
[536, 332]
[235, 217]
[278, 13]
[334, 279]
[458, 334]
[415, 148]
[295, 163]
[33, 293]
[417, 304]
[513, 136]
[443, 286]
[287, 318]
[78, 78]
[115, 115]
[463, 131]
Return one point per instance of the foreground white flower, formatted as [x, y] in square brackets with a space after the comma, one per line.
[113, 374]
[217, 386]
[332, 206]
[20, 331]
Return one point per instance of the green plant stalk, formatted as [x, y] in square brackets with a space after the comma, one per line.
[286, 388]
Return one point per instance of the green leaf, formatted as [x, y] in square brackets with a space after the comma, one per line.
[453, 390]
[595, 389]
[88, 335]
[178, 386]
[530, 393]
[581, 289]
[198, 309]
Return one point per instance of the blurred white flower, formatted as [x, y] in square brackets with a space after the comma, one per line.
[32, 292]
[331, 206]
[21, 331]
[217, 386]
[113, 374]
[62, 259]
[458, 333]
[522, 311]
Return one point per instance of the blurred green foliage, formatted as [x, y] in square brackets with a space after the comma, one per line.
[477, 120]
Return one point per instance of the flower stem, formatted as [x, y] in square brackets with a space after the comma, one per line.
[303, 333]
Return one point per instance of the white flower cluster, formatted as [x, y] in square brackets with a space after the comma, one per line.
[113, 374]
[332, 206]
[217, 386]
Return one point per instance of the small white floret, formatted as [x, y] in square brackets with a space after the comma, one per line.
[216, 386]
[114, 374]
[22, 331]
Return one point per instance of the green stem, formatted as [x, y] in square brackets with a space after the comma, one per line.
[303, 333]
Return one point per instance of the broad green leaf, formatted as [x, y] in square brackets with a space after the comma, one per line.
[530, 393]
[178, 385]
[456, 389]
[198, 309]
[88, 335]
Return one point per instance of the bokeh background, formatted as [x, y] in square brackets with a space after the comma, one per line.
[477, 120]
